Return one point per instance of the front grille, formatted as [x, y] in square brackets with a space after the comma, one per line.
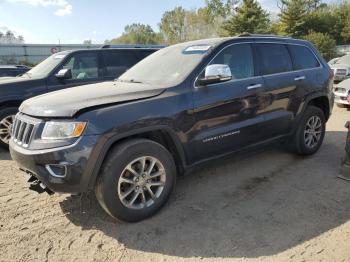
[340, 72]
[22, 131]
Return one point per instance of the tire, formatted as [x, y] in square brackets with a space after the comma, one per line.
[6, 121]
[111, 186]
[300, 143]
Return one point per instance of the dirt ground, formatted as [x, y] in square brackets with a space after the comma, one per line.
[267, 205]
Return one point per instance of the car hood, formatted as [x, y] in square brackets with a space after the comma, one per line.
[10, 80]
[340, 66]
[68, 102]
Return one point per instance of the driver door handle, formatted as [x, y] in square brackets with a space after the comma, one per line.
[254, 86]
[299, 78]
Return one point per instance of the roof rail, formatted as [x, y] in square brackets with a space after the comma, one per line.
[134, 46]
[262, 35]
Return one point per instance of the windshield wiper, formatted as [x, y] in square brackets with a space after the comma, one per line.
[129, 81]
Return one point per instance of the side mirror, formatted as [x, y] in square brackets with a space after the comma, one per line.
[216, 73]
[64, 74]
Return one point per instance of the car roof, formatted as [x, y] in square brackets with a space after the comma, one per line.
[220, 40]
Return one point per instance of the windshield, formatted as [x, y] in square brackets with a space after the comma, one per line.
[168, 66]
[344, 60]
[46, 66]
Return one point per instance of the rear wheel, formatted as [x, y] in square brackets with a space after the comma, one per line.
[310, 133]
[136, 180]
[7, 116]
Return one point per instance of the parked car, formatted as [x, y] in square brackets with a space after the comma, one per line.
[13, 70]
[180, 106]
[342, 93]
[341, 68]
[62, 70]
[333, 61]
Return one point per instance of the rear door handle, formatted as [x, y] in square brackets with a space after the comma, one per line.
[299, 78]
[254, 86]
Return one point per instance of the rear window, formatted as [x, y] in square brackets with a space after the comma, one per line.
[274, 58]
[117, 62]
[302, 57]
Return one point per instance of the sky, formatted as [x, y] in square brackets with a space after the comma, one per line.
[73, 21]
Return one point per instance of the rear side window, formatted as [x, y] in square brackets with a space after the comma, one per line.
[274, 58]
[141, 54]
[117, 62]
[302, 57]
[239, 58]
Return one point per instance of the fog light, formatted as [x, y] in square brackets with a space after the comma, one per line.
[57, 170]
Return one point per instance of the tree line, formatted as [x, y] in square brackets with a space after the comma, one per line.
[325, 25]
[9, 37]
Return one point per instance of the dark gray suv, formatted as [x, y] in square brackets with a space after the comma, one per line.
[180, 106]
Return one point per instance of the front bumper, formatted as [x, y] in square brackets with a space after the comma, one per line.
[340, 97]
[62, 169]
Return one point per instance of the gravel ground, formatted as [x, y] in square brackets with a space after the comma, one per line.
[266, 205]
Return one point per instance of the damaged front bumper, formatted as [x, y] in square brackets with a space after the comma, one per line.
[62, 170]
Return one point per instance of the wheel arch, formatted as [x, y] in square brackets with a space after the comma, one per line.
[162, 135]
[319, 100]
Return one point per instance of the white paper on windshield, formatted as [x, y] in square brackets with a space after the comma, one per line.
[59, 56]
[197, 48]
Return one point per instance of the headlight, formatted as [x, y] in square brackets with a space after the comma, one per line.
[62, 130]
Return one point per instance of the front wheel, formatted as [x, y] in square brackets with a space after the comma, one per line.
[136, 180]
[310, 133]
[7, 116]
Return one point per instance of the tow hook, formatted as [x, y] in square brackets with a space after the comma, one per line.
[36, 185]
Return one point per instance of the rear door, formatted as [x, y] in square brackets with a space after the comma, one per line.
[85, 67]
[308, 70]
[280, 83]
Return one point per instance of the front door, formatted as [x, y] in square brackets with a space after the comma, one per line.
[227, 114]
[85, 70]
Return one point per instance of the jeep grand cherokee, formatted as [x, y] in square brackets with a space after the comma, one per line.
[180, 106]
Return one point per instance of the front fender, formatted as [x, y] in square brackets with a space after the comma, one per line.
[107, 141]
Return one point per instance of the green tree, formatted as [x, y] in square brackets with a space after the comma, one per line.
[137, 34]
[292, 16]
[249, 17]
[324, 43]
[173, 25]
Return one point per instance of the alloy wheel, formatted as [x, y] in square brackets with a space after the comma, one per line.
[141, 182]
[5, 128]
[313, 131]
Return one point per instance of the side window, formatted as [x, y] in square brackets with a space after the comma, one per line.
[239, 58]
[83, 66]
[117, 62]
[274, 58]
[144, 53]
[302, 57]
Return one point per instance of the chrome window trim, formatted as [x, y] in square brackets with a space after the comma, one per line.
[275, 74]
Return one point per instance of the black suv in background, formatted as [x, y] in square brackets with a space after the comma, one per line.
[13, 70]
[180, 106]
[62, 70]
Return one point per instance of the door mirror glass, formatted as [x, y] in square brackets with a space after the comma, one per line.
[65, 73]
[216, 73]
